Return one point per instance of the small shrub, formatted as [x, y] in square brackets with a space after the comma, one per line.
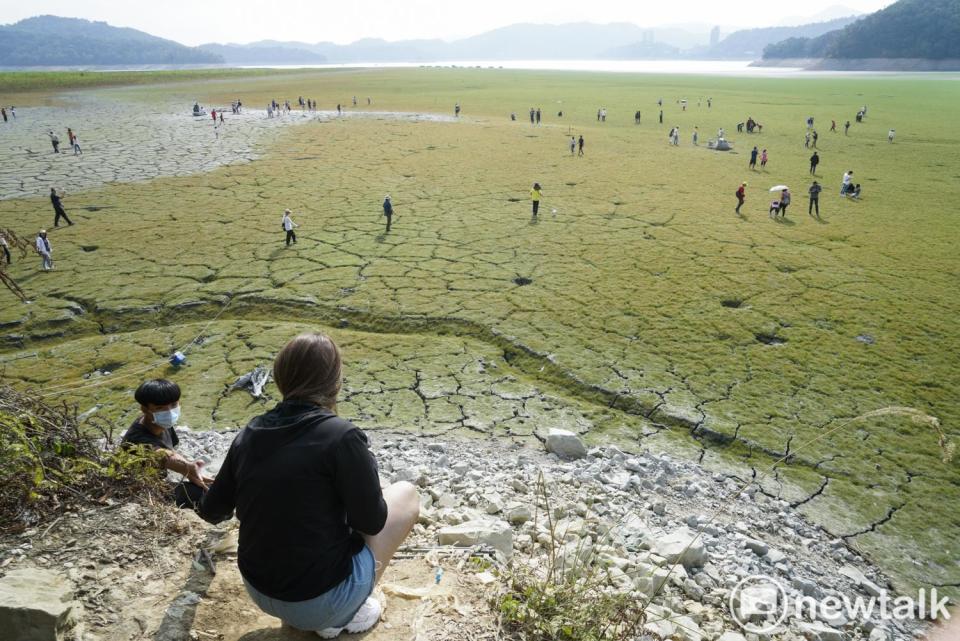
[48, 461]
[565, 598]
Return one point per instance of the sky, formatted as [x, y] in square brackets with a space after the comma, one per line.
[200, 21]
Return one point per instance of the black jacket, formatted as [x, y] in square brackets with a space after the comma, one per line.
[304, 484]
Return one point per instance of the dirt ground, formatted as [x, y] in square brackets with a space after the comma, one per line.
[416, 607]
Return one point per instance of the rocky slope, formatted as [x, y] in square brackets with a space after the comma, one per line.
[664, 530]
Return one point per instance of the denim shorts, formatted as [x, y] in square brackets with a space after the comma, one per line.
[332, 609]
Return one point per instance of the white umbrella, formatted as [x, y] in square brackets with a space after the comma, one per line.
[779, 188]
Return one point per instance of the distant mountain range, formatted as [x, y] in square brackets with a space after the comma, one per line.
[922, 34]
[575, 41]
[50, 41]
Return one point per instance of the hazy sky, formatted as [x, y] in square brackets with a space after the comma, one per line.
[198, 21]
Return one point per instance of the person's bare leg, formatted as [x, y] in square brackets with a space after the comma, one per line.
[403, 510]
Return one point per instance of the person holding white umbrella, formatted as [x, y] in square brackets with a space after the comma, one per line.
[776, 206]
[784, 202]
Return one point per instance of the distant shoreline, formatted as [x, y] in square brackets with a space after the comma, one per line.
[893, 65]
[759, 68]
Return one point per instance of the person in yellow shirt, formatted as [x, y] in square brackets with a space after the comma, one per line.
[535, 195]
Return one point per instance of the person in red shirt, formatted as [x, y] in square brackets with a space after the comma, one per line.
[741, 196]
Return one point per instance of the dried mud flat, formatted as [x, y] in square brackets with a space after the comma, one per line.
[632, 316]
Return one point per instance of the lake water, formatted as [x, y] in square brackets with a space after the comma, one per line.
[701, 67]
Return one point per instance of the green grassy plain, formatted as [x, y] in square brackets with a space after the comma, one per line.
[651, 304]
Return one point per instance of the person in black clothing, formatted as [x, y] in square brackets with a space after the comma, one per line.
[753, 158]
[159, 401]
[814, 161]
[815, 190]
[316, 529]
[58, 208]
[388, 210]
[580, 146]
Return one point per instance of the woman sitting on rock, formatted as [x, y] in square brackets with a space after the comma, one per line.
[316, 531]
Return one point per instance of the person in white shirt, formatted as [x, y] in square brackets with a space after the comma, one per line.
[891, 134]
[845, 187]
[45, 250]
[289, 226]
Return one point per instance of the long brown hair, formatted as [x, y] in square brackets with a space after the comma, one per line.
[308, 368]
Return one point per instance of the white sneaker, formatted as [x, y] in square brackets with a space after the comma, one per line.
[366, 617]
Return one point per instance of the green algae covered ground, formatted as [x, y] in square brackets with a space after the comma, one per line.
[653, 314]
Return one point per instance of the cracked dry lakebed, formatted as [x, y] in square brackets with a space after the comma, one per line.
[638, 309]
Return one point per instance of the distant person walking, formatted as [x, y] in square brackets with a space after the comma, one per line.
[58, 208]
[533, 116]
[456, 110]
[833, 126]
[76, 146]
[763, 159]
[55, 141]
[5, 246]
[784, 202]
[3, 112]
[573, 145]
[813, 138]
[288, 226]
[846, 129]
[535, 195]
[580, 146]
[388, 210]
[814, 191]
[661, 116]
[891, 134]
[753, 158]
[696, 136]
[538, 115]
[45, 249]
[741, 196]
[814, 161]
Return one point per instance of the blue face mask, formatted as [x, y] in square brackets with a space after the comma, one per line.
[167, 418]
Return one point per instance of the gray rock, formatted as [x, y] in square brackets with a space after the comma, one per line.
[820, 632]
[494, 533]
[519, 514]
[880, 634]
[680, 546]
[775, 556]
[757, 547]
[565, 444]
[37, 605]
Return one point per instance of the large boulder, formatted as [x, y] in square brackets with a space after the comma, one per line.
[36, 605]
[565, 444]
[682, 546]
[494, 533]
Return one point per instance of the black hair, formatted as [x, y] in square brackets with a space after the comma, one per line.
[158, 391]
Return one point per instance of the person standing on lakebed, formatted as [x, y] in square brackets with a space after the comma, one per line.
[388, 210]
[741, 196]
[580, 145]
[58, 208]
[535, 195]
[288, 226]
[815, 190]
